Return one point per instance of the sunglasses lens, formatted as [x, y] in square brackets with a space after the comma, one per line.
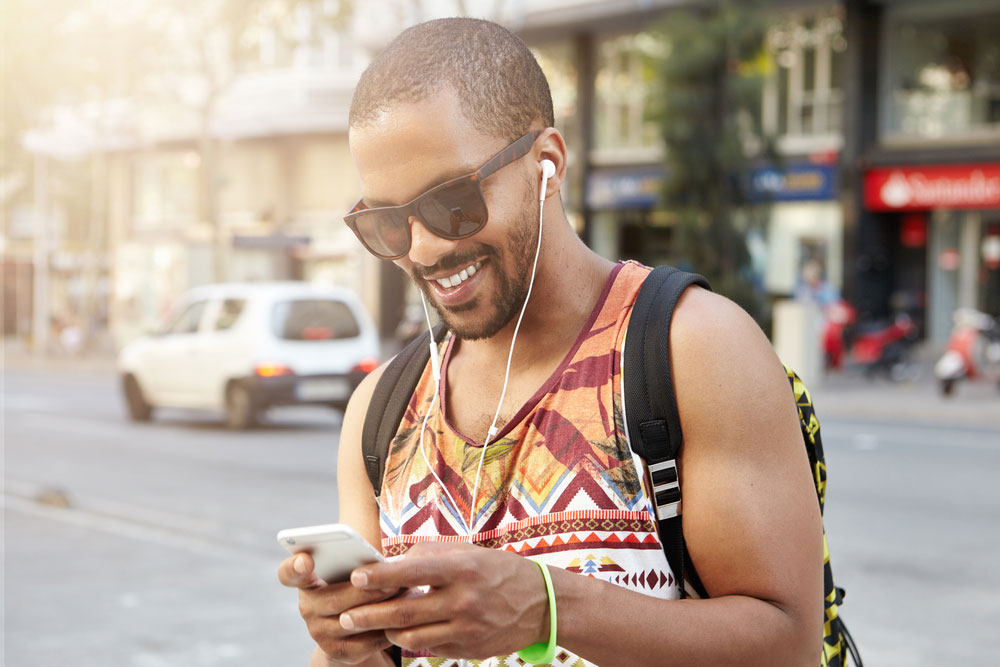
[454, 211]
[386, 233]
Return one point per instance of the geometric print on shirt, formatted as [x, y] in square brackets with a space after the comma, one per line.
[560, 483]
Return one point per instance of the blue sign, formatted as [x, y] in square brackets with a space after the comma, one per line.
[624, 188]
[641, 187]
[796, 182]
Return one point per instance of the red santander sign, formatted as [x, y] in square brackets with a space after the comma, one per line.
[921, 188]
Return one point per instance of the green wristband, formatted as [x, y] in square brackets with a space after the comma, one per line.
[540, 653]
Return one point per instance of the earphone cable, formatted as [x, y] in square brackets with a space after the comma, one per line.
[435, 364]
[510, 355]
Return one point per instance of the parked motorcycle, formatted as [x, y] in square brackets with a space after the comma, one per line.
[973, 350]
[877, 347]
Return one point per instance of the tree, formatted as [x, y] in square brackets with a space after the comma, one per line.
[707, 105]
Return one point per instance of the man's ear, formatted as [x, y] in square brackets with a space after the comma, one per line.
[551, 146]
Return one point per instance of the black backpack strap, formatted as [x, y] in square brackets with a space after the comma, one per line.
[388, 404]
[652, 419]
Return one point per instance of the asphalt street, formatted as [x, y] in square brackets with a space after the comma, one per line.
[153, 545]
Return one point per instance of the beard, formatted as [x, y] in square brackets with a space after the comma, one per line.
[511, 289]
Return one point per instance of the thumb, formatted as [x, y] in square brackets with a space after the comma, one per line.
[297, 572]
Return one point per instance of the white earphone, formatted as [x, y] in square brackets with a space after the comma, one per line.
[548, 171]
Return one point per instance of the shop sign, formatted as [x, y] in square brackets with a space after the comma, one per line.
[921, 188]
[624, 188]
[796, 182]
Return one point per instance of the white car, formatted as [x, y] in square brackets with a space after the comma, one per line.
[244, 347]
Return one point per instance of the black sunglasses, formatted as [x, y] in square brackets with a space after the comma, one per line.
[452, 210]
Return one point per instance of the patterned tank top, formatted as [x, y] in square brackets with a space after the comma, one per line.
[559, 484]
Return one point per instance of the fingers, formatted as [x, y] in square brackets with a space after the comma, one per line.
[408, 610]
[320, 605]
[320, 608]
[412, 571]
[350, 649]
[437, 638]
[334, 599]
[297, 572]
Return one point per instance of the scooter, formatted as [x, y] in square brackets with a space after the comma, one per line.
[973, 350]
[876, 347]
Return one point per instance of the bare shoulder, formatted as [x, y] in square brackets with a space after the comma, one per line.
[355, 493]
[725, 369]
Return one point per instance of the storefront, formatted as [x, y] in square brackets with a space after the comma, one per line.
[923, 208]
[624, 221]
[805, 223]
[947, 222]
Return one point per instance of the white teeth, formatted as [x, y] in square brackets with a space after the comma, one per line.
[460, 277]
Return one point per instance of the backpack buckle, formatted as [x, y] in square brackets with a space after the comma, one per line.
[666, 489]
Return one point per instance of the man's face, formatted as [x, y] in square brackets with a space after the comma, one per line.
[476, 284]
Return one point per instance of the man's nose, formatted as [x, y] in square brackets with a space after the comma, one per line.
[426, 247]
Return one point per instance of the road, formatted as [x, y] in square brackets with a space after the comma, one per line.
[165, 555]
[153, 545]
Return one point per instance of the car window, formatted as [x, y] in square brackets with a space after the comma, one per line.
[229, 313]
[187, 321]
[314, 319]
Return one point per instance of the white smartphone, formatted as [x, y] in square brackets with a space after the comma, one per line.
[336, 549]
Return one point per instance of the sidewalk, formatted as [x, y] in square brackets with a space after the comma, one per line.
[851, 396]
[15, 358]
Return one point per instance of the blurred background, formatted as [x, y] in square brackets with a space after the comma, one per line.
[833, 166]
[161, 145]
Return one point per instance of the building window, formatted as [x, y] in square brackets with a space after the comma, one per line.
[229, 313]
[804, 95]
[625, 75]
[942, 71]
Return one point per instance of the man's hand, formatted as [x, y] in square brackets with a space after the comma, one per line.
[321, 605]
[478, 602]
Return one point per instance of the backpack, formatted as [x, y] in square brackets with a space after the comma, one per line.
[653, 429]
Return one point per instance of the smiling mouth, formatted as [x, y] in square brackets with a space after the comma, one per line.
[460, 277]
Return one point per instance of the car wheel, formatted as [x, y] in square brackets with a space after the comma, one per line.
[241, 413]
[139, 410]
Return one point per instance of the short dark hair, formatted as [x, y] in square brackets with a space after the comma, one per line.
[496, 77]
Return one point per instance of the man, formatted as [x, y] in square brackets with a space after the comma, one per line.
[555, 479]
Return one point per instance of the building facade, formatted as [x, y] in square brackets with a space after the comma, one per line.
[885, 115]
[886, 119]
[923, 159]
[253, 188]
[605, 57]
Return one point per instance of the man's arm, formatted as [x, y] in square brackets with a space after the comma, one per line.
[320, 604]
[355, 495]
[751, 521]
